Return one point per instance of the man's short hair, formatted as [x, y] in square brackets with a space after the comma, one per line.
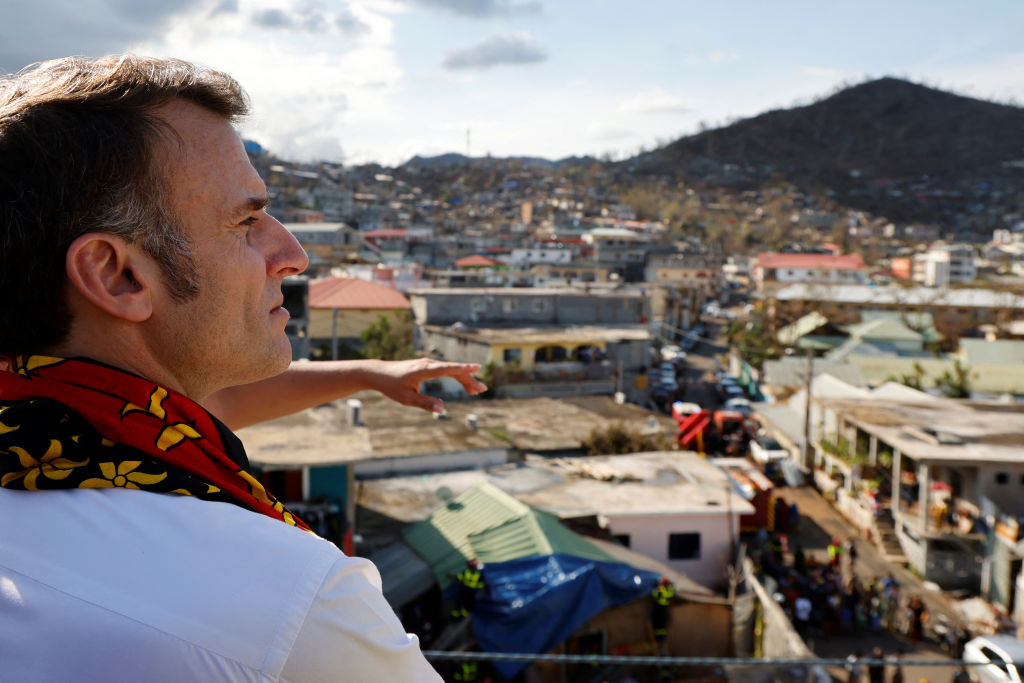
[77, 141]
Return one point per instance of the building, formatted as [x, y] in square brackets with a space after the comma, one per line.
[945, 264]
[342, 307]
[541, 342]
[954, 311]
[773, 271]
[690, 272]
[326, 244]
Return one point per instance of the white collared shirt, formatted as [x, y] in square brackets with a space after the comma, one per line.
[115, 585]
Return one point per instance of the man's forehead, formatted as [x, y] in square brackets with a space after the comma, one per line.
[205, 155]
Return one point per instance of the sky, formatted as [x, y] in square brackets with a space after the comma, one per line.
[383, 80]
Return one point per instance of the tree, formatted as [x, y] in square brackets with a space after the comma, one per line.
[387, 343]
[914, 381]
[956, 384]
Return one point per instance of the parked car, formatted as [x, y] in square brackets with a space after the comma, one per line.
[765, 449]
[672, 353]
[740, 405]
[995, 657]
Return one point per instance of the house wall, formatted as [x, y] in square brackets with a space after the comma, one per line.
[433, 462]
[1009, 497]
[985, 377]
[329, 482]
[695, 629]
[451, 347]
[482, 307]
[351, 322]
[649, 535]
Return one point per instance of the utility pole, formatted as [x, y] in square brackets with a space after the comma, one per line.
[806, 459]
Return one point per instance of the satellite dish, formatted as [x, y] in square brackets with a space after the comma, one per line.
[444, 493]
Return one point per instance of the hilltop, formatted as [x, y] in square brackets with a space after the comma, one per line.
[931, 150]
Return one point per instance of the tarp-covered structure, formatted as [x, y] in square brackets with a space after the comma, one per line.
[543, 580]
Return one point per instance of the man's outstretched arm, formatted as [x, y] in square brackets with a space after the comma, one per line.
[304, 385]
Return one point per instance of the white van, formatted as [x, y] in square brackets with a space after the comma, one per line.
[995, 657]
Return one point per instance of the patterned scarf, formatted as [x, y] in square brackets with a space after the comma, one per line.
[75, 423]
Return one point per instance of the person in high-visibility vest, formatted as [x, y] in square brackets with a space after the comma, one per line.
[467, 671]
[471, 582]
[663, 595]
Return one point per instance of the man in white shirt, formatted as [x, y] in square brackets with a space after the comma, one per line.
[142, 319]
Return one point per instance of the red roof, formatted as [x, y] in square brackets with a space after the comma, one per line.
[820, 261]
[351, 292]
[476, 261]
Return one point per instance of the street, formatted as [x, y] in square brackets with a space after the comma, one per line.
[820, 522]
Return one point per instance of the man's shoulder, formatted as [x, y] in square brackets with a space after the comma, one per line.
[212, 574]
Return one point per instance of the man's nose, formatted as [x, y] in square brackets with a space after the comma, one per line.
[285, 255]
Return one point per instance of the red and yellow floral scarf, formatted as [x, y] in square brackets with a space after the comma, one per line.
[75, 423]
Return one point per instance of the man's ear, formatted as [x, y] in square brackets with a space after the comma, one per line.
[113, 275]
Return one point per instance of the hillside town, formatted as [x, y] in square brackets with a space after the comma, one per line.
[721, 423]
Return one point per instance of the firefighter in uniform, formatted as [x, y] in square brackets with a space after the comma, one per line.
[663, 595]
[470, 583]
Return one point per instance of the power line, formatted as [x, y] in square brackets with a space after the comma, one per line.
[646, 660]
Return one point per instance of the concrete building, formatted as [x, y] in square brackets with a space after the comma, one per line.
[773, 271]
[542, 342]
[945, 264]
[954, 311]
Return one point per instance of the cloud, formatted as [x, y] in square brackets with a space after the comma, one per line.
[512, 48]
[655, 101]
[350, 24]
[308, 19]
[30, 31]
[484, 8]
[225, 7]
[273, 18]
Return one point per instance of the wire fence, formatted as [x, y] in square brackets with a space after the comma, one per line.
[635, 660]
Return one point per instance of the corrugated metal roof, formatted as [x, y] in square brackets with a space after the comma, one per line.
[404, 574]
[492, 526]
[884, 328]
[789, 334]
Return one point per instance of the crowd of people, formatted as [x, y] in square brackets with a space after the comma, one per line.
[826, 598]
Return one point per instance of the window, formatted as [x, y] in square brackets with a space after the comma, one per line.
[540, 305]
[512, 356]
[478, 305]
[684, 546]
[1002, 478]
[508, 305]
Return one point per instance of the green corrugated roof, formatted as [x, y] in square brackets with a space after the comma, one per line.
[919, 321]
[889, 329]
[789, 334]
[492, 526]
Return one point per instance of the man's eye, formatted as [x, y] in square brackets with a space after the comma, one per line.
[251, 220]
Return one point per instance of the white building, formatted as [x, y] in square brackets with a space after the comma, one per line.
[529, 256]
[944, 264]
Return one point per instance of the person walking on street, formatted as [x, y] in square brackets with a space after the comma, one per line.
[876, 670]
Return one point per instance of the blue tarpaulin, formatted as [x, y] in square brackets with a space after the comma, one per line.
[532, 604]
